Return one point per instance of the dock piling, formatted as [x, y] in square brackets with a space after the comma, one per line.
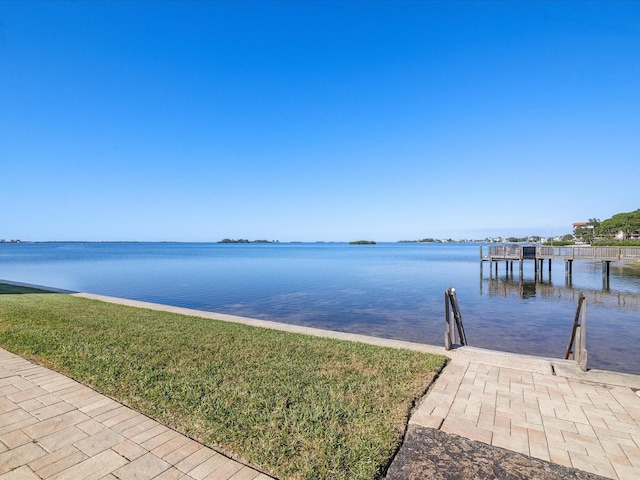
[538, 254]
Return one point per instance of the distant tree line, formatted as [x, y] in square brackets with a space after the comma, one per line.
[523, 239]
[242, 240]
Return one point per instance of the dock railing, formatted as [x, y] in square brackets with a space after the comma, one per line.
[608, 254]
[503, 252]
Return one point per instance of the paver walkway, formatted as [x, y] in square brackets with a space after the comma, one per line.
[52, 427]
[594, 427]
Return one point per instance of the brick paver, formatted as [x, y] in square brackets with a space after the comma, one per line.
[589, 426]
[53, 428]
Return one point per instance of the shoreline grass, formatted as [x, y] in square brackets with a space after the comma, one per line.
[294, 406]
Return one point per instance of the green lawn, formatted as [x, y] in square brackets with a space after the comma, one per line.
[292, 405]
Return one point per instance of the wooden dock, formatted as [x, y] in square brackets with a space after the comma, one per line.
[540, 253]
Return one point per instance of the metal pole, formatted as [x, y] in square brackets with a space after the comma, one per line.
[447, 318]
[457, 316]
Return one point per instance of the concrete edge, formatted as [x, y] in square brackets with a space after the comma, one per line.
[570, 369]
[286, 327]
[542, 365]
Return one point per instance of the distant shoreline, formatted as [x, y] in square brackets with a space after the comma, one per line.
[260, 242]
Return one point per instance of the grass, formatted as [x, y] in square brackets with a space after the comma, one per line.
[295, 406]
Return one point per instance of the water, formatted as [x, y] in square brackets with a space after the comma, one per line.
[393, 290]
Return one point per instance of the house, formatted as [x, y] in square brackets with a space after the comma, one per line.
[581, 225]
[635, 235]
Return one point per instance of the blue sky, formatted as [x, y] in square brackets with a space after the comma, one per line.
[314, 120]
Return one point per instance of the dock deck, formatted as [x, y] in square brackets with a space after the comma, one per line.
[540, 253]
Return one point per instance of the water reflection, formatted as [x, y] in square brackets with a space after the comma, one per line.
[511, 286]
[532, 311]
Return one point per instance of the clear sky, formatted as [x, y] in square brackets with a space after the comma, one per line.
[316, 120]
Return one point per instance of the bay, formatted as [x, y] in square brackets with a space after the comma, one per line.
[391, 290]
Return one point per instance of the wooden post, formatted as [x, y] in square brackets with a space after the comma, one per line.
[605, 275]
[568, 268]
[572, 353]
[541, 268]
[581, 343]
[606, 268]
[521, 268]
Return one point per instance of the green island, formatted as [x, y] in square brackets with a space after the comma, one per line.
[292, 405]
[362, 242]
[244, 240]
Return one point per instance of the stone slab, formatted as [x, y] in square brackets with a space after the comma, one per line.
[433, 454]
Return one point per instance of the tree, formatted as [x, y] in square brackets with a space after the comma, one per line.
[627, 223]
[584, 233]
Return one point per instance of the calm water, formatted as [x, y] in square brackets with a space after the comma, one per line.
[389, 290]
